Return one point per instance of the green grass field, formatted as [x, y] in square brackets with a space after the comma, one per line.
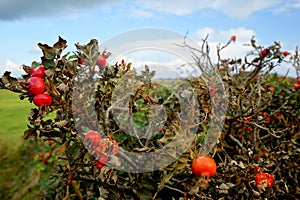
[13, 118]
[18, 175]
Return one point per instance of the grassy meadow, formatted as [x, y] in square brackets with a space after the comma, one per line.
[13, 119]
[17, 173]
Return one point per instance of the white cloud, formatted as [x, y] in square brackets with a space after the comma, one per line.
[156, 47]
[286, 6]
[161, 55]
[181, 7]
[15, 68]
[159, 49]
[233, 8]
[242, 9]
[134, 12]
[204, 32]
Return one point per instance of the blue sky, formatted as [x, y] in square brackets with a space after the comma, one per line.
[24, 23]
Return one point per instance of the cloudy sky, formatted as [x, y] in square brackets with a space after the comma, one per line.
[24, 23]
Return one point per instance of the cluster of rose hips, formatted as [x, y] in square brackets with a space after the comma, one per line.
[264, 116]
[237, 124]
[101, 161]
[268, 119]
[35, 86]
[265, 52]
[101, 62]
[42, 157]
[101, 147]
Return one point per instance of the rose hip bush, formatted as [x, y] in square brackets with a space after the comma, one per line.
[261, 126]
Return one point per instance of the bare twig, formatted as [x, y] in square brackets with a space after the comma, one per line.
[236, 141]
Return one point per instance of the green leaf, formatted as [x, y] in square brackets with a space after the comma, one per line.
[181, 166]
[72, 57]
[48, 63]
[35, 64]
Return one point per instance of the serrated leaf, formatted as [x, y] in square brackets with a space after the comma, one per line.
[33, 114]
[103, 192]
[49, 72]
[61, 123]
[48, 63]
[91, 50]
[9, 82]
[180, 166]
[167, 137]
[114, 178]
[183, 159]
[61, 149]
[48, 52]
[30, 132]
[6, 78]
[26, 69]
[35, 64]
[179, 142]
[171, 152]
[60, 45]
[63, 87]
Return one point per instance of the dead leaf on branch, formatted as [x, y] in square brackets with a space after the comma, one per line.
[30, 132]
[61, 149]
[51, 53]
[61, 124]
[91, 50]
[9, 82]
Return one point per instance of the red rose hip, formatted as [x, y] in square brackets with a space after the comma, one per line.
[42, 100]
[37, 72]
[265, 52]
[297, 86]
[94, 137]
[36, 86]
[286, 53]
[101, 62]
[264, 179]
[204, 166]
[233, 38]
